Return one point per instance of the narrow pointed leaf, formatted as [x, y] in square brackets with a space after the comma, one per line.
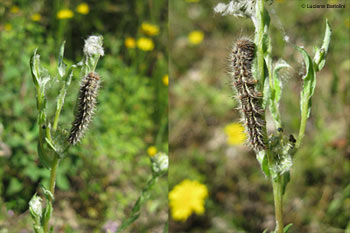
[309, 83]
[61, 66]
[321, 53]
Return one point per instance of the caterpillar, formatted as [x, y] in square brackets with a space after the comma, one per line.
[249, 98]
[85, 106]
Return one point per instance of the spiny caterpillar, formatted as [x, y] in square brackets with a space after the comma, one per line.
[250, 99]
[85, 106]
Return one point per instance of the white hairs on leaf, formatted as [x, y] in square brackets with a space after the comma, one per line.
[238, 8]
[93, 46]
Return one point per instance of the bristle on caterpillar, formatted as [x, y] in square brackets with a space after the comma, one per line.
[249, 98]
[85, 106]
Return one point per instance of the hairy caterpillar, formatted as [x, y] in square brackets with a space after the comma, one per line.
[85, 106]
[250, 99]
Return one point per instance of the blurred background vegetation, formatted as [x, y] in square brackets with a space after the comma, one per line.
[202, 115]
[101, 179]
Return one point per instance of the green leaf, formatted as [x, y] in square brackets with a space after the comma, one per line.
[61, 66]
[43, 156]
[277, 83]
[321, 53]
[35, 209]
[70, 75]
[128, 222]
[285, 180]
[286, 228]
[309, 83]
[276, 92]
[40, 79]
[266, 43]
[262, 159]
[35, 67]
[50, 144]
[47, 193]
[47, 213]
[267, 93]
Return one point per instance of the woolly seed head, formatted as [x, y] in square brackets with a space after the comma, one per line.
[93, 46]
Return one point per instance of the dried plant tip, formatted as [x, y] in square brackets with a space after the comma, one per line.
[249, 98]
[85, 106]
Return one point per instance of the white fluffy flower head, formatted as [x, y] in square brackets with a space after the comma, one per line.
[240, 8]
[93, 46]
[35, 206]
[160, 162]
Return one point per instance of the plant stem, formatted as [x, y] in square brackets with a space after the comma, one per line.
[278, 201]
[57, 115]
[277, 194]
[261, 25]
[302, 125]
[53, 172]
[260, 51]
[53, 175]
[135, 211]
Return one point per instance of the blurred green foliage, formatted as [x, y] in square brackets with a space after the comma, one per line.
[317, 198]
[98, 183]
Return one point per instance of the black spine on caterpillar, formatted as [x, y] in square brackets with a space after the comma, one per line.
[85, 106]
[249, 98]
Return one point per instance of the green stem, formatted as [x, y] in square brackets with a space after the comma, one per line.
[278, 201]
[57, 116]
[277, 194]
[53, 172]
[259, 42]
[302, 126]
[261, 28]
[135, 212]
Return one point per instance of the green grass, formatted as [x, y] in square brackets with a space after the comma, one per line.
[103, 176]
[240, 197]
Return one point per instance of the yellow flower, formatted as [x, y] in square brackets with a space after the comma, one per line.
[130, 42]
[64, 14]
[195, 37]
[151, 151]
[14, 9]
[165, 80]
[186, 198]
[235, 134]
[150, 29]
[83, 8]
[145, 44]
[7, 27]
[36, 17]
